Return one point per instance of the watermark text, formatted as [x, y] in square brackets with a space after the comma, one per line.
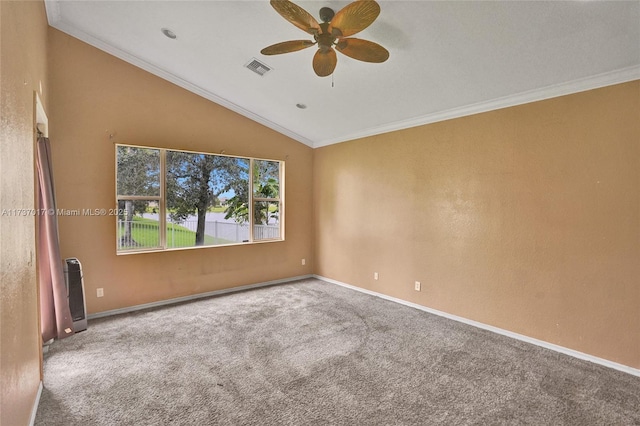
[63, 212]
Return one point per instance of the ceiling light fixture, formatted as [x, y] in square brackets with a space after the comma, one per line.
[334, 32]
[169, 33]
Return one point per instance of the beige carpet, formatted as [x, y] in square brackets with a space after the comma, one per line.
[313, 353]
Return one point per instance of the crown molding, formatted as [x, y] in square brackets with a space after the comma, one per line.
[56, 22]
[575, 86]
[580, 85]
[52, 7]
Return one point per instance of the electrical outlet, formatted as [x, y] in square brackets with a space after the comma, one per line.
[375, 275]
[416, 286]
[100, 292]
[304, 262]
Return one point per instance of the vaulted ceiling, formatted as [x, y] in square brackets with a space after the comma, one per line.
[447, 58]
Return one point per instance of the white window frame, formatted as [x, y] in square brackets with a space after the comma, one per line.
[161, 199]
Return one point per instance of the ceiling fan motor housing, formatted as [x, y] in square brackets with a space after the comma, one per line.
[325, 39]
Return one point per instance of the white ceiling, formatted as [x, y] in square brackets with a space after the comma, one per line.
[447, 59]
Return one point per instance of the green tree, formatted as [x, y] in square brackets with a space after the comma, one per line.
[195, 181]
[138, 172]
[266, 184]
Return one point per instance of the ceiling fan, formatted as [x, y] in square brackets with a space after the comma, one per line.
[334, 31]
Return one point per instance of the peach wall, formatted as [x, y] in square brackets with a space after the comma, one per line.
[526, 218]
[97, 95]
[23, 29]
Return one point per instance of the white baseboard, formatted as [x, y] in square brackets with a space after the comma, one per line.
[541, 343]
[527, 339]
[193, 297]
[36, 403]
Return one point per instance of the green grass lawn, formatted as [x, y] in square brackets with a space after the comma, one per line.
[146, 234]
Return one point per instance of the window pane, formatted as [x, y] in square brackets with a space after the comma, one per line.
[266, 220]
[138, 171]
[204, 199]
[266, 179]
[234, 196]
[138, 226]
[216, 232]
[206, 195]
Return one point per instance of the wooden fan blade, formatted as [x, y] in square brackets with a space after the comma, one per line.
[286, 47]
[354, 18]
[297, 16]
[362, 50]
[324, 62]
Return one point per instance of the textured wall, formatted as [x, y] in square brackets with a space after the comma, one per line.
[23, 37]
[526, 218]
[95, 95]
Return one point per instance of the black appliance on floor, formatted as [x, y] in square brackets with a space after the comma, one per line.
[75, 291]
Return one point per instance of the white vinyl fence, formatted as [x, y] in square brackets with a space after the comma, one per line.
[145, 235]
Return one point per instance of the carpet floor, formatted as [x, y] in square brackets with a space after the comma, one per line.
[313, 353]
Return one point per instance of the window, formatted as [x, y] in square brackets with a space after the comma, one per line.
[266, 199]
[169, 199]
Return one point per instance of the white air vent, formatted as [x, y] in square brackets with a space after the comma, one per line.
[258, 67]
